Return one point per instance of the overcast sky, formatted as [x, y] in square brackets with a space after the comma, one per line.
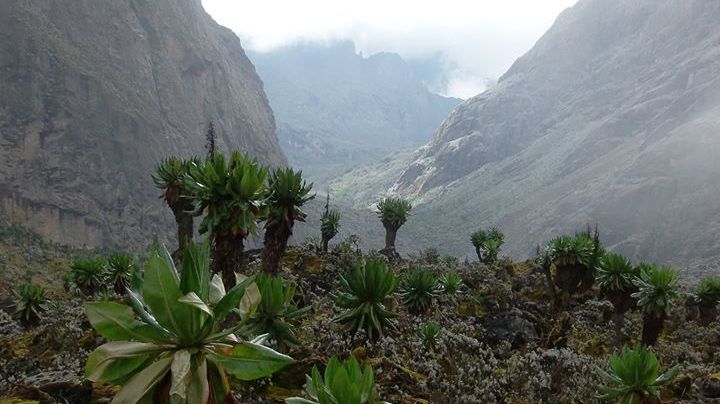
[478, 39]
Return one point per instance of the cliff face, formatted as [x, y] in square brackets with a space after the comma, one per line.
[95, 93]
[612, 118]
[337, 109]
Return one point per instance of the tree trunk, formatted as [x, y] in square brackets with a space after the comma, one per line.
[390, 235]
[185, 229]
[227, 257]
[587, 279]
[568, 278]
[618, 320]
[389, 250]
[550, 284]
[652, 327]
[325, 245]
[275, 242]
[479, 254]
[622, 302]
[184, 224]
[708, 314]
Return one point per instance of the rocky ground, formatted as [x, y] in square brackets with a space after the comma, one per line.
[501, 341]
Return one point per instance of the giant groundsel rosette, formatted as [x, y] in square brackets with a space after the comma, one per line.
[168, 344]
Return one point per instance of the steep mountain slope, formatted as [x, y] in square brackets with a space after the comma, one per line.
[337, 109]
[612, 118]
[95, 93]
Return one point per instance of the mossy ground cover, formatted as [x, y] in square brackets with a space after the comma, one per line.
[501, 340]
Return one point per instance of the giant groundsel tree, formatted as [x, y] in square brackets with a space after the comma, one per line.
[487, 244]
[329, 226]
[229, 191]
[657, 288]
[169, 176]
[615, 276]
[393, 213]
[707, 294]
[286, 194]
[575, 259]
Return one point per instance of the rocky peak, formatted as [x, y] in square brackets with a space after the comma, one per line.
[95, 93]
[598, 57]
[612, 118]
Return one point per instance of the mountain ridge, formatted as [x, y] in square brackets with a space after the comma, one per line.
[337, 109]
[612, 118]
[95, 94]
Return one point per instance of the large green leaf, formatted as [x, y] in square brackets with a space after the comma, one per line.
[195, 273]
[165, 255]
[161, 293]
[315, 383]
[138, 304]
[342, 388]
[117, 371]
[115, 360]
[231, 300]
[143, 382]
[116, 322]
[367, 385]
[248, 361]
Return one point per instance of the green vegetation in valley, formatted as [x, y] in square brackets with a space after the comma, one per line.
[575, 259]
[657, 288]
[329, 226]
[342, 382]
[418, 289]
[363, 296]
[487, 331]
[286, 194]
[429, 334]
[121, 270]
[452, 283]
[393, 213]
[229, 192]
[634, 377]
[86, 276]
[30, 303]
[169, 176]
[708, 297]
[487, 244]
[169, 343]
[615, 276]
[276, 311]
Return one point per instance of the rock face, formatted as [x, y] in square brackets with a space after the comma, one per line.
[612, 118]
[337, 109]
[95, 93]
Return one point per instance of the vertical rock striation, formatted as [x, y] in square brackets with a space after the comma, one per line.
[95, 92]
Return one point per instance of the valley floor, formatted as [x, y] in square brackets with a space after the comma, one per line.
[501, 340]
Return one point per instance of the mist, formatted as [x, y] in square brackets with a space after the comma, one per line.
[474, 41]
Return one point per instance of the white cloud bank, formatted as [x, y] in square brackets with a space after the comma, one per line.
[480, 37]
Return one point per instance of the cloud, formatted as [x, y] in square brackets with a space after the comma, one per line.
[481, 38]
